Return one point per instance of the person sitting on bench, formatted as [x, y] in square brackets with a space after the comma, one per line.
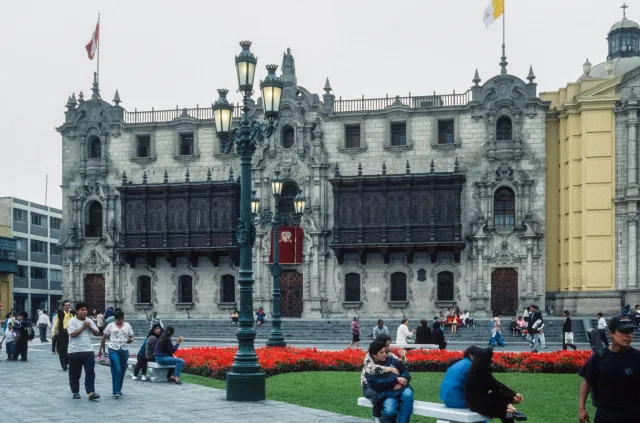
[164, 351]
[392, 389]
[455, 379]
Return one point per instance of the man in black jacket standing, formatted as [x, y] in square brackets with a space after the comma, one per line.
[567, 332]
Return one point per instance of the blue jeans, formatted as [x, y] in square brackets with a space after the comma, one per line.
[11, 350]
[401, 406]
[165, 360]
[118, 363]
[76, 362]
[497, 337]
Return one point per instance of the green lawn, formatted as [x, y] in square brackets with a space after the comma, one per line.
[549, 398]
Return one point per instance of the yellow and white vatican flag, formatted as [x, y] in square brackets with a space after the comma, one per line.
[493, 12]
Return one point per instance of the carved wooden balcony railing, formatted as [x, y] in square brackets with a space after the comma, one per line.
[189, 219]
[389, 213]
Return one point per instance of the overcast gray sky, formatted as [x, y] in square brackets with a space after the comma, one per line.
[165, 53]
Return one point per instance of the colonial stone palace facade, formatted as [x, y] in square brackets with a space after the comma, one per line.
[412, 203]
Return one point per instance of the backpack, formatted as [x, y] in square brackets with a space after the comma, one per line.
[30, 333]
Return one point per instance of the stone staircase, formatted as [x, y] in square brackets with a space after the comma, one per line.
[339, 330]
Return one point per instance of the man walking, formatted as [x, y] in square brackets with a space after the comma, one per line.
[380, 329]
[21, 329]
[612, 375]
[602, 329]
[59, 330]
[496, 332]
[154, 319]
[81, 352]
[567, 332]
[43, 325]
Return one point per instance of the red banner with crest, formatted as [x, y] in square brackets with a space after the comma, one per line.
[290, 242]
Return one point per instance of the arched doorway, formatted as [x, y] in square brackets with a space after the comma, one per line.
[291, 293]
[94, 292]
[504, 291]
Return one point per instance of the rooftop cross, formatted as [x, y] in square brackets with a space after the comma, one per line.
[624, 8]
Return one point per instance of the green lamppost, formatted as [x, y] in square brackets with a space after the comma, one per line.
[246, 381]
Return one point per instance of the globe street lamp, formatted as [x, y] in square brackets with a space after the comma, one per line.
[246, 381]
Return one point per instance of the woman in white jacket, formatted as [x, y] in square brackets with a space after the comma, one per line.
[404, 332]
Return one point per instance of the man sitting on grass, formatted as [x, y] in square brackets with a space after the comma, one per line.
[392, 389]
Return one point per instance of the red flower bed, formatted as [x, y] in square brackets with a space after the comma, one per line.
[215, 362]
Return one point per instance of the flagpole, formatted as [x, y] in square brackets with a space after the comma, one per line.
[98, 67]
[503, 61]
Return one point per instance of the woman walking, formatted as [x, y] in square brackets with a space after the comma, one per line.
[164, 351]
[485, 395]
[355, 332]
[120, 335]
[142, 357]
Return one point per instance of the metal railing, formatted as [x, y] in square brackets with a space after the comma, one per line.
[154, 116]
[435, 100]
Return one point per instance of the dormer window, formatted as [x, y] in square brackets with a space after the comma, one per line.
[94, 148]
[503, 129]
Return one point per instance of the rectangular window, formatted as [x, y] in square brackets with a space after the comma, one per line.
[7, 255]
[143, 147]
[445, 131]
[55, 275]
[55, 249]
[38, 219]
[21, 244]
[20, 215]
[399, 133]
[23, 272]
[186, 144]
[55, 223]
[38, 246]
[352, 136]
[38, 273]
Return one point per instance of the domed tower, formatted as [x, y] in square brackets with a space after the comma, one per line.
[624, 38]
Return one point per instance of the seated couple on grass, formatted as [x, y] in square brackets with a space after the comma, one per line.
[385, 381]
[468, 383]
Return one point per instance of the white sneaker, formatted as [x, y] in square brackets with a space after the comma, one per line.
[144, 377]
[134, 377]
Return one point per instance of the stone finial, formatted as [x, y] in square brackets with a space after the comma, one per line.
[610, 67]
[124, 178]
[95, 88]
[408, 167]
[503, 61]
[80, 98]
[144, 177]
[209, 175]
[476, 78]
[187, 176]
[231, 177]
[531, 75]
[116, 99]
[336, 170]
[586, 67]
[384, 168]
[360, 169]
[69, 105]
[165, 177]
[74, 103]
[432, 167]
[327, 87]
[456, 166]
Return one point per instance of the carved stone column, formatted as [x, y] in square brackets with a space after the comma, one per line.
[529, 283]
[632, 155]
[632, 258]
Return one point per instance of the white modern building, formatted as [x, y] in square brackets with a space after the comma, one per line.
[36, 228]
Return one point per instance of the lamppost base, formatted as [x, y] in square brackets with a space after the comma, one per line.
[276, 342]
[246, 387]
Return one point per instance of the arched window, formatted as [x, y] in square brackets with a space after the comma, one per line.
[398, 286]
[228, 292]
[185, 289]
[504, 208]
[93, 228]
[143, 291]
[445, 286]
[287, 138]
[352, 287]
[94, 148]
[287, 195]
[503, 129]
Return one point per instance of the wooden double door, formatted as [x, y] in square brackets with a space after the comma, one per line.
[94, 294]
[504, 291]
[291, 293]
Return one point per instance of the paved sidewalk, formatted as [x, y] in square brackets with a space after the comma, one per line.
[44, 387]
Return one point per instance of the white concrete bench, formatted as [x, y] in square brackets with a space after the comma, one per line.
[155, 371]
[438, 411]
[416, 346]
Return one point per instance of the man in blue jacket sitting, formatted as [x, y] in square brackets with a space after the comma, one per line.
[394, 390]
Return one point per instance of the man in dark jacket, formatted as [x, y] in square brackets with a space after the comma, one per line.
[567, 332]
[394, 390]
[22, 340]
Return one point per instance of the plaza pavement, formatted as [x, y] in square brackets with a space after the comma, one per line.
[37, 391]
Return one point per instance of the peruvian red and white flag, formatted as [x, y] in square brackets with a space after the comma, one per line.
[92, 47]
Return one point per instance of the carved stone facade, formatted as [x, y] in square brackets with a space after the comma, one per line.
[492, 137]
